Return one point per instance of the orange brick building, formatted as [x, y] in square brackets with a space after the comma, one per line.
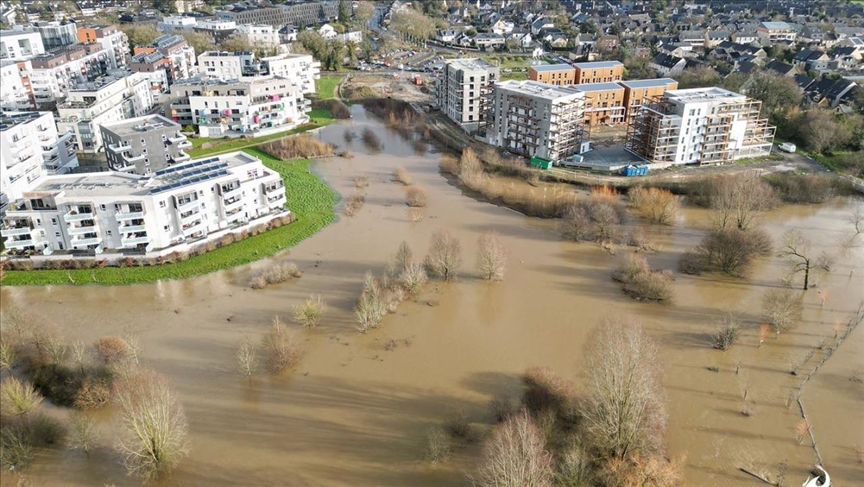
[599, 72]
[553, 74]
[639, 92]
[604, 103]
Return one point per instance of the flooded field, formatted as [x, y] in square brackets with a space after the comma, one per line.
[356, 410]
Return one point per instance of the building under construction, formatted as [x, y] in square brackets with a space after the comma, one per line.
[535, 119]
[699, 126]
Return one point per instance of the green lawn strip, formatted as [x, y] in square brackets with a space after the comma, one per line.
[325, 86]
[307, 196]
[515, 75]
[319, 117]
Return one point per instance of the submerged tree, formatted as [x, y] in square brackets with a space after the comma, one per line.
[515, 456]
[796, 249]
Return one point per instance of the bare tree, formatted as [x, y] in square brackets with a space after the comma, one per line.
[18, 398]
[856, 219]
[797, 252]
[445, 255]
[729, 250]
[605, 219]
[282, 349]
[738, 199]
[657, 205]
[491, 257]
[7, 355]
[310, 312]
[515, 456]
[82, 432]
[55, 349]
[625, 410]
[371, 308]
[404, 256]
[781, 309]
[247, 359]
[80, 357]
[112, 350]
[156, 435]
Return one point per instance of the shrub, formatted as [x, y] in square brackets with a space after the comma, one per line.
[401, 175]
[641, 282]
[458, 425]
[803, 188]
[297, 146]
[82, 430]
[281, 349]
[59, 384]
[112, 350]
[45, 430]
[361, 182]
[641, 470]
[415, 196]
[656, 205]
[18, 398]
[371, 308]
[355, 203]
[276, 274]
[727, 334]
[595, 220]
[404, 256]
[547, 391]
[501, 407]
[16, 449]
[94, 393]
[445, 255]
[515, 455]
[310, 312]
[371, 140]
[781, 308]
[728, 250]
[413, 277]
[491, 257]
[437, 445]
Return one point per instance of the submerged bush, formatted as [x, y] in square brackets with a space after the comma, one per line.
[275, 274]
[545, 391]
[297, 146]
[281, 349]
[641, 282]
[415, 196]
[728, 250]
[437, 445]
[803, 188]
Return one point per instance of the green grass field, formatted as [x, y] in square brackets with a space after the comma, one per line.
[326, 86]
[518, 76]
[307, 196]
[319, 118]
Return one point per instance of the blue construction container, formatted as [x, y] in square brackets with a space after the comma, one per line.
[636, 170]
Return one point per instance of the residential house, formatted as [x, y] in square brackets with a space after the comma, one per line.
[809, 60]
[668, 65]
[781, 68]
[775, 31]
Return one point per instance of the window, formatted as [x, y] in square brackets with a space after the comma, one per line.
[54, 221]
[108, 232]
[38, 222]
[166, 228]
[102, 208]
[57, 234]
[162, 204]
[143, 142]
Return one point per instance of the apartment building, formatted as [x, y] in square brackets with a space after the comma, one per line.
[177, 51]
[111, 38]
[775, 32]
[58, 71]
[30, 148]
[20, 44]
[95, 212]
[604, 104]
[143, 145]
[116, 97]
[553, 74]
[217, 29]
[57, 34]
[463, 90]
[599, 72]
[14, 95]
[301, 69]
[639, 92]
[260, 35]
[535, 119]
[699, 126]
[156, 68]
[300, 14]
[231, 108]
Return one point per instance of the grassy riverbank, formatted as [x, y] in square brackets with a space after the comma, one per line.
[307, 196]
[326, 85]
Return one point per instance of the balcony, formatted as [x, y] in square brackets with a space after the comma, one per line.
[235, 217]
[195, 215]
[194, 227]
[132, 159]
[272, 187]
[233, 205]
[117, 148]
[177, 139]
[184, 145]
[81, 230]
[182, 157]
[228, 193]
[73, 216]
[134, 241]
[189, 205]
[133, 228]
[129, 215]
[19, 244]
[276, 201]
[83, 242]
[15, 231]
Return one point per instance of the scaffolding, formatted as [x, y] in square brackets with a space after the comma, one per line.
[526, 133]
[654, 132]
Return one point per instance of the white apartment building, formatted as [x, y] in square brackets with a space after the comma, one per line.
[111, 99]
[536, 119]
[170, 23]
[179, 53]
[20, 44]
[111, 38]
[94, 212]
[463, 88]
[301, 69]
[55, 73]
[29, 149]
[776, 31]
[699, 126]
[14, 95]
[253, 107]
[264, 35]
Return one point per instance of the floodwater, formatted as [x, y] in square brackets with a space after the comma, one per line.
[355, 411]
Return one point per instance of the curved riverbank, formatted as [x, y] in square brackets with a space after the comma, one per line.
[310, 199]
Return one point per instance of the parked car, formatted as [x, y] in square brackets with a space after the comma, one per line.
[787, 147]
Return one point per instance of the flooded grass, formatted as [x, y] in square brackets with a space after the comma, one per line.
[310, 199]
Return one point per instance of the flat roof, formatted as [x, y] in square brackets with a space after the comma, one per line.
[119, 184]
[538, 89]
[776, 25]
[470, 63]
[702, 94]
[9, 120]
[647, 83]
[598, 87]
[140, 124]
[598, 64]
[552, 67]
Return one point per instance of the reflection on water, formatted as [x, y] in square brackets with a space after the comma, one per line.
[354, 413]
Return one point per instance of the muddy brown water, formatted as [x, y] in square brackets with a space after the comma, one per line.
[355, 413]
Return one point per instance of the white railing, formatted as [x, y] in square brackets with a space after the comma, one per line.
[133, 215]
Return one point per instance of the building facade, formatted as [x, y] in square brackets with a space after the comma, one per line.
[301, 69]
[95, 212]
[111, 38]
[144, 145]
[231, 108]
[14, 95]
[604, 104]
[639, 92]
[599, 72]
[464, 88]
[20, 44]
[30, 148]
[300, 14]
[699, 126]
[263, 35]
[536, 119]
[775, 32]
[111, 99]
[553, 74]
[178, 52]
[60, 70]
[57, 34]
